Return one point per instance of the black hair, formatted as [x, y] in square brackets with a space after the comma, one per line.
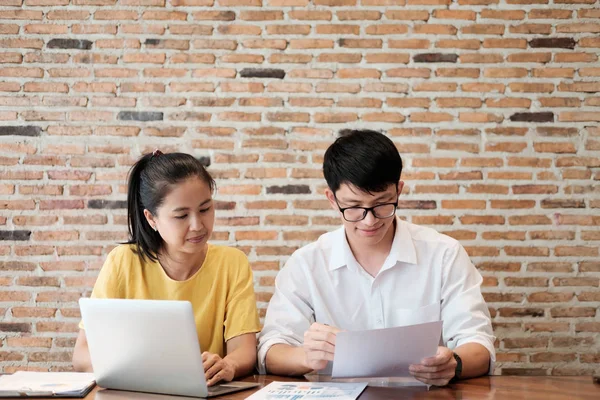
[366, 159]
[150, 180]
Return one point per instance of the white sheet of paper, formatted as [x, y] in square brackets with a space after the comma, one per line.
[384, 352]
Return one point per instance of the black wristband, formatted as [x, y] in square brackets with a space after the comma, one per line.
[458, 369]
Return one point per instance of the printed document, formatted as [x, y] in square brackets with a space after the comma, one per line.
[46, 384]
[309, 391]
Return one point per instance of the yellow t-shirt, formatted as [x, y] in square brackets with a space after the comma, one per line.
[221, 291]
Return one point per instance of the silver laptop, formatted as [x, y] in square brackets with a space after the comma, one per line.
[148, 346]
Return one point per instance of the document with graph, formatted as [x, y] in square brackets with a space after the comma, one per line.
[309, 391]
[46, 384]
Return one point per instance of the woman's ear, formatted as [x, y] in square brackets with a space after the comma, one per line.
[150, 219]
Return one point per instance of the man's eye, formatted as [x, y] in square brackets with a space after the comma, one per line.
[205, 210]
[181, 216]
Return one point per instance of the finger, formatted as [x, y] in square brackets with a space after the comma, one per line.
[319, 345]
[328, 337]
[321, 349]
[210, 361]
[323, 328]
[216, 378]
[418, 368]
[432, 377]
[212, 371]
[443, 356]
[207, 356]
[447, 374]
[319, 356]
[317, 365]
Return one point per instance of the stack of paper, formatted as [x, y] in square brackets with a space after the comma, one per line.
[309, 391]
[46, 384]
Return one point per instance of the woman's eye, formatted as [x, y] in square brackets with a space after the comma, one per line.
[181, 216]
[205, 210]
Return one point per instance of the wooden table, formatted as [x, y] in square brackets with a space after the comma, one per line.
[494, 387]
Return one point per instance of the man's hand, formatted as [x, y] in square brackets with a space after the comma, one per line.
[438, 370]
[319, 345]
[217, 369]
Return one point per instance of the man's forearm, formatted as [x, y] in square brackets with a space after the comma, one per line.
[475, 359]
[283, 359]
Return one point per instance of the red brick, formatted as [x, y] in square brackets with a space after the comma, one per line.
[588, 327]
[21, 14]
[411, 15]
[388, 58]
[29, 341]
[266, 205]
[17, 204]
[335, 118]
[409, 44]
[576, 57]
[434, 29]
[57, 327]
[573, 312]
[482, 220]
[523, 343]
[357, 15]
[576, 251]
[286, 220]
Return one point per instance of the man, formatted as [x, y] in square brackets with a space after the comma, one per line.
[377, 271]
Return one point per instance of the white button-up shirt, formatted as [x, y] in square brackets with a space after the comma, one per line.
[426, 277]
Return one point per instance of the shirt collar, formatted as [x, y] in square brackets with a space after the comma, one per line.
[403, 249]
[339, 249]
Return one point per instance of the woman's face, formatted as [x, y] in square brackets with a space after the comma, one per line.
[186, 217]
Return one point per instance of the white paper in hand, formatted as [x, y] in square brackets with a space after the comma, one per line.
[384, 352]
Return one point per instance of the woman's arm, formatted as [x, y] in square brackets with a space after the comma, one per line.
[239, 361]
[241, 351]
[81, 354]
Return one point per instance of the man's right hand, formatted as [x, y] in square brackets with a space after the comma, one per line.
[319, 345]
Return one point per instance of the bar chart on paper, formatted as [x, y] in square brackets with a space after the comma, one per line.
[309, 391]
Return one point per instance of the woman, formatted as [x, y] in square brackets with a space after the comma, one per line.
[171, 216]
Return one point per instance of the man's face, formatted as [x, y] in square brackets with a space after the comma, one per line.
[372, 229]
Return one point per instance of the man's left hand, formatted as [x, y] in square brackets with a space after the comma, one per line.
[437, 370]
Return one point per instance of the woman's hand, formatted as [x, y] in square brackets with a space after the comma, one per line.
[217, 369]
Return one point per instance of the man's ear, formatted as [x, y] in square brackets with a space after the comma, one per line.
[150, 219]
[331, 198]
[400, 187]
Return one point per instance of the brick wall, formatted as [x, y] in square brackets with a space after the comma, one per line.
[494, 106]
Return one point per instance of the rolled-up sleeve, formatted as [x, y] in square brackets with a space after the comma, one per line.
[289, 313]
[464, 311]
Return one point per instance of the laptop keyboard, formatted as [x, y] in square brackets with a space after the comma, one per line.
[222, 388]
[218, 389]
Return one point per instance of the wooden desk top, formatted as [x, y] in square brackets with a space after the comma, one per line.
[485, 388]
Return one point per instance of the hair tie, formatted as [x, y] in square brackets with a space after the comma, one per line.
[157, 153]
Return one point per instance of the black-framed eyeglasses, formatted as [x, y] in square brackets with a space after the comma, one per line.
[381, 211]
